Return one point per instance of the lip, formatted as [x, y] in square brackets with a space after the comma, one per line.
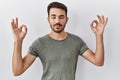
[57, 26]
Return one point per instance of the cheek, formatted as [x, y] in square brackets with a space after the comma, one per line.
[64, 22]
[51, 22]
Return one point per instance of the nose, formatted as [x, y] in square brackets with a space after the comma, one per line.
[57, 20]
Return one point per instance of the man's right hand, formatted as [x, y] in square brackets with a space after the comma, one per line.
[18, 32]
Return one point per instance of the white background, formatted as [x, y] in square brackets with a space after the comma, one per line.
[33, 13]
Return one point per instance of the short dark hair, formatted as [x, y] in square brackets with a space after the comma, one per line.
[56, 5]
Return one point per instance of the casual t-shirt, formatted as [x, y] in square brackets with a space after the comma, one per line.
[59, 57]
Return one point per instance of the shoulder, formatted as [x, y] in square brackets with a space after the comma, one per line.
[73, 36]
[40, 40]
[76, 39]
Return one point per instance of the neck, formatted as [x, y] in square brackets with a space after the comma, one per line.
[58, 36]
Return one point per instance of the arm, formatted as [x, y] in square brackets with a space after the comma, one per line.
[19, 64]
[97, 58]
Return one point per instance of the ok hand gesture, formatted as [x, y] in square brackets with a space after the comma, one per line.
[98, 26]
[18, 32]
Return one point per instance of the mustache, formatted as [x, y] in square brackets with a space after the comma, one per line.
[57, 24]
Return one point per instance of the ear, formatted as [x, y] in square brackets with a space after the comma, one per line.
[48, 19]
[67, 19]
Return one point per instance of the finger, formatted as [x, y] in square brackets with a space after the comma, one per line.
[103, 19]
[23, 28]
[94, 23]
[92, 27]
[16, 25]
[99, 18]
[106, 21]
[12, 24]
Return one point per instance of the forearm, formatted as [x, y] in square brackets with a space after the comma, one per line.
[99, 54]
[17, 61]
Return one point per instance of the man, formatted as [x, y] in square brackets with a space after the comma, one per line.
[58, 50]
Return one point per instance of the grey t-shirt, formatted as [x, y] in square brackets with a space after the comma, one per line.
[59, 57]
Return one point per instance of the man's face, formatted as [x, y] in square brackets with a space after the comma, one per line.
[57, 19]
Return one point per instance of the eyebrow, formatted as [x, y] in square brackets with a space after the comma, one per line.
[55, 15]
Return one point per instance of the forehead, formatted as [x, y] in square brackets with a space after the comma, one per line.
[56, 11]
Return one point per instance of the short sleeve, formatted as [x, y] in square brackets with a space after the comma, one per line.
[83, 47]
[33, 49]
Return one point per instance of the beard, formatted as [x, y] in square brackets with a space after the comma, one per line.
[58, 29]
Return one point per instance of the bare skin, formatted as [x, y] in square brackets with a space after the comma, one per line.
[20, 64]
[97, 58]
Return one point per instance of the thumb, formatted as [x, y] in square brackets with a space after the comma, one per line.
[23, 28]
